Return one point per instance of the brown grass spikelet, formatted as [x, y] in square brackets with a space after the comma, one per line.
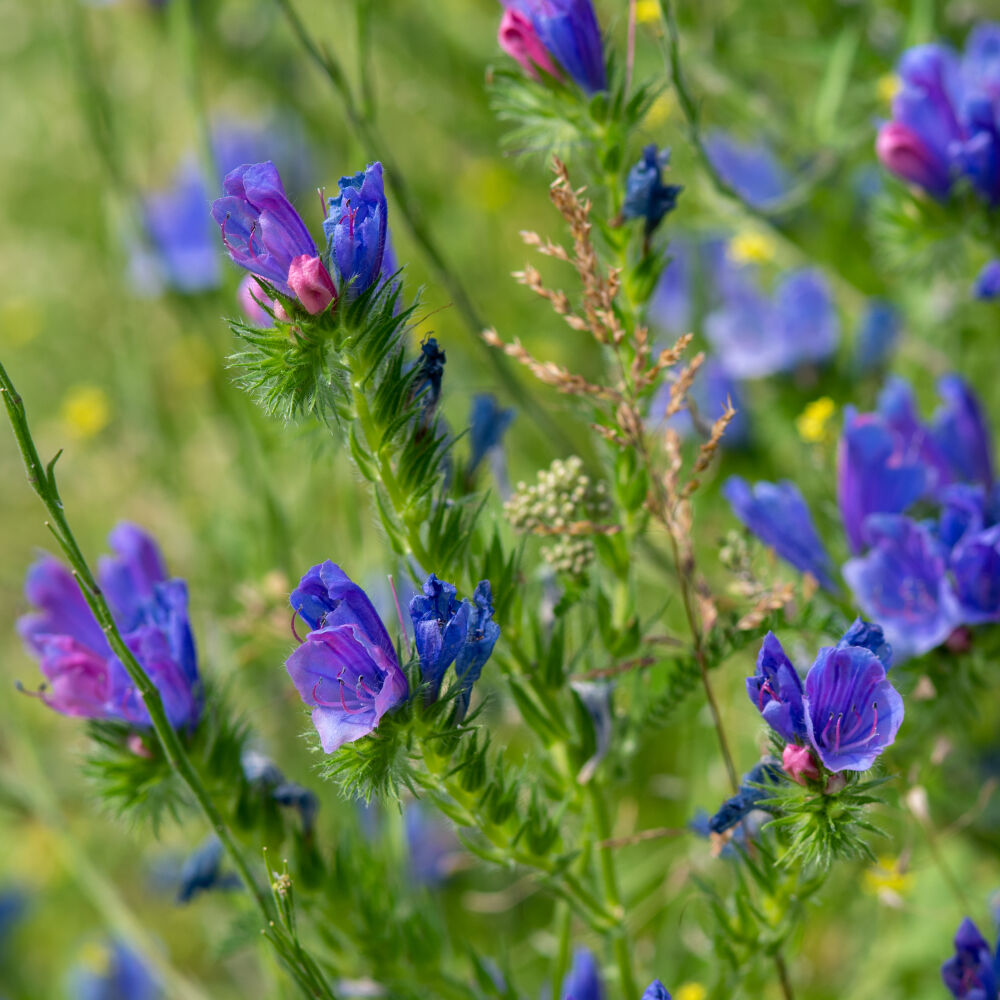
[681, 386]
[775, 600]
[708, 449]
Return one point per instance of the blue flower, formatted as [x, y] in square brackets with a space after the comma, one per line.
[902, 583]
[202, 871]
[971, 973]
[480, 639]
[584, 979]
[356, 229]
[655, 991]
[125, 976]
[260, 227]
[960, 431]
[751, 169]
[975, 566]
[488, 423]
[778, 515]
[432, 844]
[747, 798]
[987, 284]
[850, 709]
[440, 624]
[877, 335]
[569, 31]
[346, 668]
[646, 196]
[84, 677]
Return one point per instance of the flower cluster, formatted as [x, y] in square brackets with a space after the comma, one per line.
[264, 234]
[944, 123]
[844, 716]
[536, 32]
[83, 675]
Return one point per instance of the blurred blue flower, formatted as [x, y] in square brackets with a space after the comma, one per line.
[569, 31]
[125, 976]
[944, 123]
[202, 871]
[432, 844]
[84, 677]
[13, 904]
[754, 335]
[480, 639]
[987, 285]
[646, 196]
[583, 981]
[655, 991]
[747, 798]
[972, 972]
[356, 229]
[751, 169]
[877, 336]
[346, 668]
[488, 423]
[260, 228]
[851, 710]
[778, 515]
[596, 698]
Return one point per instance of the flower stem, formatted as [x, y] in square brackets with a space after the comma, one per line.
[43, 481]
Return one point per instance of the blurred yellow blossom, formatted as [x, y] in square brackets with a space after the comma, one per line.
[888, 876]
[888, 87]
[20, 321]
[647, 11]
[813, 422]
[96, 958]
[751, 248]
[690, 991]
[662, 108]
[86, 410]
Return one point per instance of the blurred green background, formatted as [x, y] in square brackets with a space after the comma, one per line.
[98, 108]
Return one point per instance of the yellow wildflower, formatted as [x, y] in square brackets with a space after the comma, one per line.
[20, 321]
[888, 87]
[86, 410]
[888, 876]
[751, 248]
[647, 11]
[690, 991]
[813, 422]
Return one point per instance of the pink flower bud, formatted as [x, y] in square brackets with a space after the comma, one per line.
[252, 298]
[904, 153]
[309, 279]
[517, 37]
[960, 640]
[799, 763]
[136, 744]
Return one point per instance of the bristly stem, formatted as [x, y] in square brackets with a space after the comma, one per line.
[43, 482]
[403, 201]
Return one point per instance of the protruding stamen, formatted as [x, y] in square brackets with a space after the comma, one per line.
[295, 615]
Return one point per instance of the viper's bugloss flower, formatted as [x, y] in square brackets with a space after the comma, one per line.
[751, 169]
[747, 798]
[961, 433]
[987, 285]
[202, 871]
[488, 423]
[646, 196]
[755, 335]
[583, 982]
[778, 515]
[518, 38]
[346, 668]
[570, 33]
[850, 712]
[877, 336]
[943, 123]
[356, 228]
[123, 975]
[260, 228]
[83, 676]
[311, 283]
[480, 638]
[432, 844]
[655, 991]
[971, 973]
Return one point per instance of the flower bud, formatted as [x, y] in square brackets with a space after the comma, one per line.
[309, 279]
[518, 38]
[905, 154]
[799, 763]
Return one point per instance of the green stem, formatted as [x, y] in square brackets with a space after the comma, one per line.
[564, 919]
[43, 481]
[404, 202]
[612, 893]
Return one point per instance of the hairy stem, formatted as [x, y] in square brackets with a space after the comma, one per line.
[42, 480]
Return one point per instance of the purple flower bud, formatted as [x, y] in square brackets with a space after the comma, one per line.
[870, 637]
[903, 153]
[655, 991]
[480, 638]
[440, 622]
[517, 37]
[260, 228]
[356, 228]
[311, 283]
[987, 284]
[960, 431]
[84, 677]
[970, 974]
[852, 711]
[902, 583]
[776, 691]
[646, 196]
[569, 31]
[736, 808]
[777, 514]
[583, 982]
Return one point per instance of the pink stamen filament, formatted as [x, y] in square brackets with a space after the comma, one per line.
[765, 688]
[332, 704]
[295, 614]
